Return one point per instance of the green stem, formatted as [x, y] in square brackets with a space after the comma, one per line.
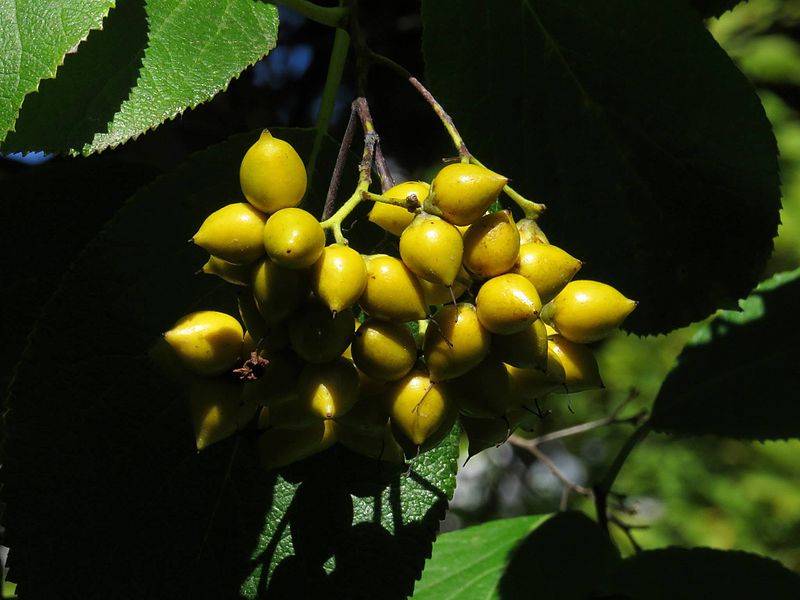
[341, 44]
[332, 16]
[531, 209]
[334, 222]
[410, 203]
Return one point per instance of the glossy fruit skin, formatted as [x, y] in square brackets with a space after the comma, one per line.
[529, 231]
[508, 304]
[216, 410]
[526, 349]
[339, 277]
[233, 233]
[384, 350]
[319, 336]
[293, 238]
[461, 192]
[207, 342]
[436, 293]
[274, 336]
[280, 447]
[547, 267]
[272, 174]
[393, 292]
[419, 409]
[491, 245]
[395, 219]
[528, 385]
[330, 389]
[277, 290]
[581, 371]
[432, 248]
[586, 311]
[485, 391]
[455, 342]
[230, 272]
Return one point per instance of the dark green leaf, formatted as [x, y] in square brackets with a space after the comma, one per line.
[35, 36]
[561, 557]
[738, 376]
[106, 495]
[151, 61]
[713, 8]
[702, 573]
[649, 147]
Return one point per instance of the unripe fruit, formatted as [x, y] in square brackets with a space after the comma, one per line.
[547, 267]
[277, 380]
[455, 342]
[395, 219]
[393, 292]
[329, 389]
[484, 433]
[293, 238]
[272, 175]
[318, 336]
[586, 311]
[233, 233]
[277, 290]
[436, 293]
[526, 349]
[491, 245]
[485, 391]
[461, 193]
[339, 277]
[419, 409]
[216, 410]
[207, 342]
[379, 447]
[281, 447]
[508, 304]
[227, 271]
[432, 248]
[580, 366]
[384, 350]
[529, 231]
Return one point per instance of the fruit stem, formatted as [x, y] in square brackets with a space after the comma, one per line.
[531, 209]
[410, 202]
[332, 16]
[341, 45]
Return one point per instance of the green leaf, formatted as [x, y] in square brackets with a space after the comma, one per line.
[737, 376]
[713, 8]
[34, 37]
[106, 494]
[560, 557]
[701, 573]
[650, 148]
[151, 61]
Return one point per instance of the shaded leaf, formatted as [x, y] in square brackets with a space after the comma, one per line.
[34, 37]
[106, 494]
[649, 147]
[151, 61]
[738, 376]
[701, 573]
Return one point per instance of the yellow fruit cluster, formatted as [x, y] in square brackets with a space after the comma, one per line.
[476, 317]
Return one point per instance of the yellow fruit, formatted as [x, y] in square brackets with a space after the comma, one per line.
[533, 384]
[329, 389]
[338, 277]
[419, 408]
[526, 349]
[266, 337]
[230, 272]
[580, 366]
[529, 231]
[395, 219]
[379, 447]
[491, 245]
[318, 336]
[461, 193]
[207, 342]
[384, 350]
[485, 391]
[547, 267]
[216, 410]
[276, 381]
[281, 447]
[436, 293]
[293, 238]
[586, 311]
[393, 292]
[455, 342]
[370, 415]
[277, 290]
[508, 304]
[432, 248]
[272, 175]
[233, 233]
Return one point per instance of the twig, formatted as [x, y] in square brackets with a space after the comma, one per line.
[628, 529]
[341, 159]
